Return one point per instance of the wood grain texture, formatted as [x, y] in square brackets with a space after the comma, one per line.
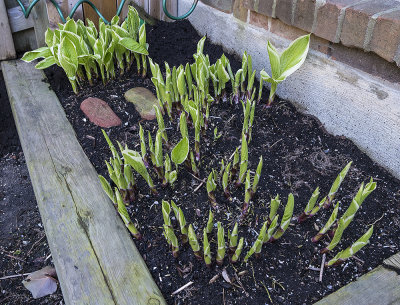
[66, 7]
[7, 49]
[41, 22]
[381, 286]
[95, 258]
[172, 7]
[17, 20]
[107, 8]
[25, 40]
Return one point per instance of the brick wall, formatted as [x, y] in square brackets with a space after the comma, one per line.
[368, 25]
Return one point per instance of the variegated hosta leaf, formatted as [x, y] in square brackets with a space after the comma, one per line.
[337, 237]
[183, 125]
[180, 152]
[142, 141]
[173, 175]
[328, 224]
[353, 249]
[256, 178]
[42, 52]
[233, 237]
[158, 153]
[134, 159]
[271, 229]
[211, 185]
[133, 46]
[45, 63]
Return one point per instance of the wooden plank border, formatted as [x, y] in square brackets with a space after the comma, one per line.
[381, 286]
[7, 49]
[95, 258]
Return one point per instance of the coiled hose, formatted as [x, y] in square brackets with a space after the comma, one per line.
[27, 11]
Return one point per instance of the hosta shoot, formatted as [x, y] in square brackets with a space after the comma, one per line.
[238, 251]
[181, 220]
[172, 240]
[287, 217]
[210, 222]
[125, 216]
[206, 249]
[328, 224]
[233, 238]
[211, 186]
[353, 249]
[349, 214]
[244, 159]
[257, 246]
[336, 185]
[194, 243]
[284, 64]
[256, 178]
[275, 202]
[221, 244]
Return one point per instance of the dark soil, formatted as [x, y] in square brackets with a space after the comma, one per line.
[298, 154]
[23, 244]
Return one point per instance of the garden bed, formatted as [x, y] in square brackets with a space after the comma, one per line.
[298, 154]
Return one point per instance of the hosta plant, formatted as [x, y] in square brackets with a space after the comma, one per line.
[284, 64]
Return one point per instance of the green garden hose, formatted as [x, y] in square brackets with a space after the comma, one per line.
[27, 11]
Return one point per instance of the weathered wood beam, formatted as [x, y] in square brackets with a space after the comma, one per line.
[95, 258]
[7, 49]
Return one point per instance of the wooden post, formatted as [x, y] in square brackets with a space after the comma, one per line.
[41, 22]
[7, 49]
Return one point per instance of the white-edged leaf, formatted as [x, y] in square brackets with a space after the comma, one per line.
[180, 151]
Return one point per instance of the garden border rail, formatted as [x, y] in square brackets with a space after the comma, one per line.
[95, 258]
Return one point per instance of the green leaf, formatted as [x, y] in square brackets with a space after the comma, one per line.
[274, 61]
[71, 26]
[133, 46]
[68, 57]
[294, 56]
[200, 45]
[134, 159]
[180, 151]
[45, 63]
[35, 54]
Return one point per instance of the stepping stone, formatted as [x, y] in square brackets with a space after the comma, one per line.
[99, 113]
[144, 100]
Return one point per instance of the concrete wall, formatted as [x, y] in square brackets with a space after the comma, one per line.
[346, 100]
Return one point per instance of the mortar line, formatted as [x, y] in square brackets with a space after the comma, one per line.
[342, 14]
[294, 5]
[274, 9]
[371, 27]
[318, 5]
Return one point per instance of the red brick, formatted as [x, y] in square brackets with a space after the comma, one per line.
[99, 113]
[222, 5]
[356, 21]
[386, 35]
[304, 14]
[259, 20]
[240, 11]
[263, 7]
[283, 10]
[328, 18]
[284, 30]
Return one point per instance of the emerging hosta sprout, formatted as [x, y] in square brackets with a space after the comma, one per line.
[350, 251]
[348, 216]
[182, 221]
[247, 195]
[284, 64]
[143, 146]
[172, 240]
[328, 224]
[256, 178]
[160, 121]
[275, 202]
[287, 217]
[244, 159]
[166, 210]
[210, 222]
[211, 186]
[238, 251]
[233, 238]
[308, 210]
[107, 188]
[257, 246]
[206, 249]
[158, 154]
[225, 181]
[221, 244]
[134, 159]
[194, 243]
[336, 184]
[235, 163]
[271, 229]
[125, 216]
[193, 164]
